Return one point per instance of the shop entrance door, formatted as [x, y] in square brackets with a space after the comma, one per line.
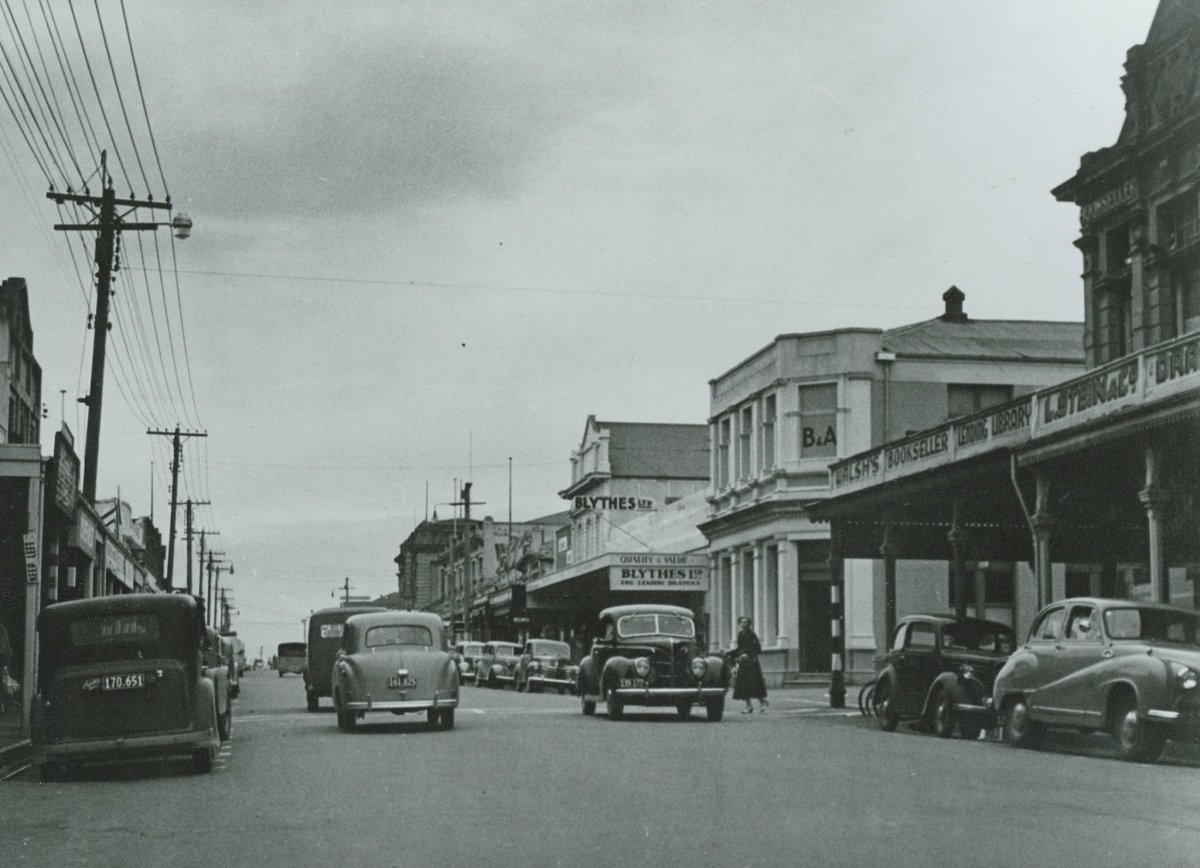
[816, 645]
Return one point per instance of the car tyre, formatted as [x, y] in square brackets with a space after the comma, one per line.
[52, 773]
[447, 719]
[683, 709]
[715, 709]
[522, 686]
[492, 683]
[225, 723]
[202, 760]
[945, 718]
[615, 707]
[1137, 740]
[1018, 729]
[314, 701]
[588, 706]
[881, 704]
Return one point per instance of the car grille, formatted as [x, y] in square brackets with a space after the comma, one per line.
[76, 713]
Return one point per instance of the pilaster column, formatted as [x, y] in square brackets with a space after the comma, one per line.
[735, 590]
[1042, 525]
[837, 616]
[759, 586]
[1154, 500]
[958, 538]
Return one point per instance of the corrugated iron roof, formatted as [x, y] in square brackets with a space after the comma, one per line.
[1015, 340]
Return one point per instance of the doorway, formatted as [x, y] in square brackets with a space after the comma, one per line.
[816, 645]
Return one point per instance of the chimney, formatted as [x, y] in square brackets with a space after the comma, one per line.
[954, 305]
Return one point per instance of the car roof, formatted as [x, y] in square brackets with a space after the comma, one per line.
[341, 613]
[1114, 602]
[644, 609]
[375, 618]
[120, 604]
[950, 619]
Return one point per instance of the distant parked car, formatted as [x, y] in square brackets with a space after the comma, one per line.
[466, 655]
[940, 670]
[325, 628]
[648, 655]
[546, 663]
[398, 662]
[291, 658]
[126, 677]
[1094, 664]
[229, 652]
[498, 664]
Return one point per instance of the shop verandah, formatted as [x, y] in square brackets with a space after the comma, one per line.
[1095, 483]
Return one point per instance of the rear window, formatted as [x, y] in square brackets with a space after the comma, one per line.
[133, 636]
[398, 634]
[472, 650]
[333, 631]
[977, 637]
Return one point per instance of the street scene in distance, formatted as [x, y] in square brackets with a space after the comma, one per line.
[658, 435]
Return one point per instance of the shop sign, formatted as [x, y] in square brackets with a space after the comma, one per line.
[31, 564]
[654, 572]
[83, 533]
[614, 504]
[1175, 368]
[64, 474]
[1091, 396]
[1108, 201]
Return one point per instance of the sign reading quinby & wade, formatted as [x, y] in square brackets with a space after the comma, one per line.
[658, 572]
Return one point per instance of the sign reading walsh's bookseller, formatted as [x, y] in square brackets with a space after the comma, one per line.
[655, 572]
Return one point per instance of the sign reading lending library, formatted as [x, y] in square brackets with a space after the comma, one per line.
[655, 572]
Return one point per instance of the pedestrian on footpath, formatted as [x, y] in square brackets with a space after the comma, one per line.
[5, 660]
[749, 684]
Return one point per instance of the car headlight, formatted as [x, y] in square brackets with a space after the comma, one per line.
[534, 666]
[699, 667]
[1187, 677]
[642, 667]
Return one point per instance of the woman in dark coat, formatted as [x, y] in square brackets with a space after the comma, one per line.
[749, 684]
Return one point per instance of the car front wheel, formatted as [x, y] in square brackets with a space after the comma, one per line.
[314, 701]
[202, 760]
[715, 709]
[945, 718]
[881, 703]
[588, 706]
[1019, 730]
[1137, 740]
[225, 723]
[615, 707]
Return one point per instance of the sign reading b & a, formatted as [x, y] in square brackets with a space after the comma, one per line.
[651, 572]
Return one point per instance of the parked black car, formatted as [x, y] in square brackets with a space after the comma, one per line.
[940, 670]
[649, 655]
[325, 628]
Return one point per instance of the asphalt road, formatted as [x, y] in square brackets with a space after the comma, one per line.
[528, 781]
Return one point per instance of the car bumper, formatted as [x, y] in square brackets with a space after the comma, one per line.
[126, 748]
[551, 681]
[668, 695]
[402, 704]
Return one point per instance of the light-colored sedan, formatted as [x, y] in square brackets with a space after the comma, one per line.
[398, 662]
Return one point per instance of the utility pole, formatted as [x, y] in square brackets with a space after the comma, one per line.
[219, 568]
[211, 600]
[201, 564]
[345, 586]
[106, 223]
[176, 451]
[188, 536]
[465, 503]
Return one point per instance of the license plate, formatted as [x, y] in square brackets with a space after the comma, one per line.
[133, 681]
[632, 682]
[397, 681]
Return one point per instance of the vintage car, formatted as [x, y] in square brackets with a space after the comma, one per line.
[940, 670]
[466, 655]
[216, 664]
[292, 658]
[398, 662]
[498, 664]
[127, 677]
[229, 652]
[649, 655]
[1126, 667]
[324, 639]
[239, 651]
[546, 663]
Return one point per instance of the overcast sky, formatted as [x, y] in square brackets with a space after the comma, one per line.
[432, 236]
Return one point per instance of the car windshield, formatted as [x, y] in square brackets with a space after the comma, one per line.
[292, 649]
[656, 624]
[971, 636]
[472, 650]
[550, 649]
[134, 636]
[398, 634]
[1147, 624]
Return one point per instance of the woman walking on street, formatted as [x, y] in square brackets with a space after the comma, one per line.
[749, 684]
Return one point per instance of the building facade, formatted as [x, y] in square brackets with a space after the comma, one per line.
[1093, 480]
[782, 416]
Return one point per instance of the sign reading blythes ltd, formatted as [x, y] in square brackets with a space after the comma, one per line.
[598, 502]
[651, 572]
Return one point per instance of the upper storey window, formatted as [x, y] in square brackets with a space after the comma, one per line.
[818, 421]
[768, 433]
[723, 435]
[745, 434]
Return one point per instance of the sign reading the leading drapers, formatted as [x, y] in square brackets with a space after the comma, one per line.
[655, 572]
[612, 503]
